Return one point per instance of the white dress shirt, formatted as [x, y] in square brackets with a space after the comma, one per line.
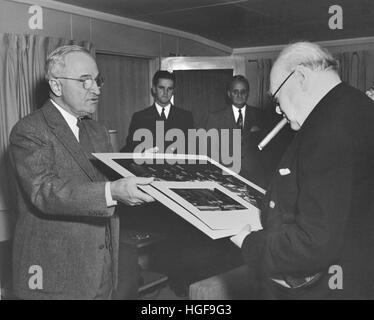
[236, 113]
[72, 123]
[166, 111]
[70, 119]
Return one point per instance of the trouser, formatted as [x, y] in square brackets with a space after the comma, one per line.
[105, 289]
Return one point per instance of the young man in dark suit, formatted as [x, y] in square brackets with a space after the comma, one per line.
[162, 114]
[172, 117]
[66, 237]
[317, 240]
[239, 115]
[158, 119]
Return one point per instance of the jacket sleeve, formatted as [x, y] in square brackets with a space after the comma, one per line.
[313, 240]
[33, 158]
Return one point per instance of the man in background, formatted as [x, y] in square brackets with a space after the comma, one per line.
[66, 236]
[163, 85]
[317, 239]
[155, 217]
[239, 115]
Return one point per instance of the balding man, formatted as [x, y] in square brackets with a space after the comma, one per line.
[239, 115]
[317, 240]
[66, 237]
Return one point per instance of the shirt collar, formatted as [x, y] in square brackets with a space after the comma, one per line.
[159, 109]
[236, 111]
[69, 118]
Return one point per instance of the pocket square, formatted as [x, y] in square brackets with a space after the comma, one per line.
[284, 171]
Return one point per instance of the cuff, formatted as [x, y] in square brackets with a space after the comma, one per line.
[108, 196]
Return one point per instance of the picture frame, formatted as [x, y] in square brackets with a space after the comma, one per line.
[171, 169]
[212, 203]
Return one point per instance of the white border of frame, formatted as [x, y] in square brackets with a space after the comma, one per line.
[108, 159]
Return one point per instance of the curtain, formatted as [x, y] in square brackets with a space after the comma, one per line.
[201, 91]
[22, 90]
[126, 90]
[357, 68]
[263, 79]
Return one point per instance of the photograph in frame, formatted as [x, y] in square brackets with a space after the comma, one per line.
[184, 168]
[212, 203]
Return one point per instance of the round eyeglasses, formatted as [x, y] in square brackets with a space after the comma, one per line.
[87, 82]
[273, 96]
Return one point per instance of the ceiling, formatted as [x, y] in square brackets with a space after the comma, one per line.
[246, 23]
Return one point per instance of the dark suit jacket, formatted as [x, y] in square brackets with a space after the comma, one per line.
[62, 208]
[251, 162]
[146, 119]
[317, 210]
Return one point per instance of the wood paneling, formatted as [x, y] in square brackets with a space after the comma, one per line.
[126, 90]
[202, 92]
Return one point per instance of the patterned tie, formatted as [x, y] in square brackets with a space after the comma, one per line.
[239, 122]
[163, 116]
[86, 144]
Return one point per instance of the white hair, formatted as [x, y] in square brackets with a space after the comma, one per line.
[308, 54]
[56, 60]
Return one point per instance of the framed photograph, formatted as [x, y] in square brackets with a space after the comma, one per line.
[213, 204]
[172, 168]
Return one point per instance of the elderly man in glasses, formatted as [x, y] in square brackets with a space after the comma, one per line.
[317, 240]
[66, 236]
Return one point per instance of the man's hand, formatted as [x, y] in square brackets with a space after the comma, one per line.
[370, 93]
[126, 190]
[239, 238]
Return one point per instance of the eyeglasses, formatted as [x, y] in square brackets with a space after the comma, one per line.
[88, 81]
[274, 99]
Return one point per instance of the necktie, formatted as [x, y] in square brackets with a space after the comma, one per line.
[163, 116]
[239, 122]
[84, 138]
[86, 144]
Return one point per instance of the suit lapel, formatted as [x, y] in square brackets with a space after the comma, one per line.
[229, 118]
[63, 133]
[247, 120]
[172, 115]
[153, 113]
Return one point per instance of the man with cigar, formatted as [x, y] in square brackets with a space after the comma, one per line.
[317, 240]
[66, 237]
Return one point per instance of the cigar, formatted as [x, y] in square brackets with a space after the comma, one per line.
[272, 133]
